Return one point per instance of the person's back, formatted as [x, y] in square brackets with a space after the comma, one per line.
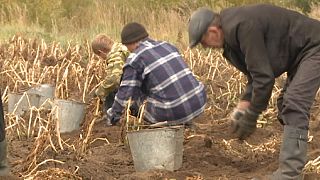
[155, 73]
[288, 35]
[172, 92]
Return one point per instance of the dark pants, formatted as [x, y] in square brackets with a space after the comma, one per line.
[2, 123]
[296, 98]
[108, 101]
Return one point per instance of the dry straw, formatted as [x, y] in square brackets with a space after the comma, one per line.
[76, 72]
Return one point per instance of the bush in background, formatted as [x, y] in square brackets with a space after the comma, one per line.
[63, 20]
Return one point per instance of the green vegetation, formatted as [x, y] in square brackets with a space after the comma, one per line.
[77, 20]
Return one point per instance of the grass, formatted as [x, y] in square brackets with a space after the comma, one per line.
[80, 20]
[315, 13]
[98, 17]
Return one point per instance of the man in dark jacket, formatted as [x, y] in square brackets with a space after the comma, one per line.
[263, 42]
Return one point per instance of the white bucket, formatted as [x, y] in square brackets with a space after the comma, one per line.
[18, 102]
[160, 148]
[69, 114]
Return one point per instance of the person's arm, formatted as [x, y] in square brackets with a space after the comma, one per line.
[113, 75]
[247, 94]
[129, 87]
[244, 102]
[252, 44]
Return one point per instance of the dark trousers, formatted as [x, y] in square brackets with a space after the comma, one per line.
[2, 123]
[297, 96]
[108, 101]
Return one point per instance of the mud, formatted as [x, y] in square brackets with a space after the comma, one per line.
[210, 152]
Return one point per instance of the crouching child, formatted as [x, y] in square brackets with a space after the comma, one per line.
[114, 54]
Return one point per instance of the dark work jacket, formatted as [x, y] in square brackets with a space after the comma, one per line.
[265, 41]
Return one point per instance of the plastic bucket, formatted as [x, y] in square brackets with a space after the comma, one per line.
[160, 148]
[69, 114]
[18, 102]
[46, 91]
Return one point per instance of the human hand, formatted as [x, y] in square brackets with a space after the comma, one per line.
[99, 92]
[244, 123]
[111, 118]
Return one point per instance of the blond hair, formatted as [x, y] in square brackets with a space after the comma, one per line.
[101, 43]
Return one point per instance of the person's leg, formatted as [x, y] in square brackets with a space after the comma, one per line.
[4, 169]
[108, 102]
[137, 103]
[297, 101]
[280, 100]
[134, 109]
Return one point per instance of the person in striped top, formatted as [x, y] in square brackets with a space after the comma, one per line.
[156, 73]
[115, 54]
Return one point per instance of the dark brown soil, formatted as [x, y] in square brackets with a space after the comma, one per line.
[210, 152]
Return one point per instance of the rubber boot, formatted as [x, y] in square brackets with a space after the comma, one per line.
[4, 168]
[292, 158]
[293, 155]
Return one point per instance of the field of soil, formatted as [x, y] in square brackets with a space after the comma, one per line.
[210, 152]
[37, 151]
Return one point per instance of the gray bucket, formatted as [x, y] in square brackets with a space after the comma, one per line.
[18, 102]
[69, 114]
[46, 91]
[160, 148]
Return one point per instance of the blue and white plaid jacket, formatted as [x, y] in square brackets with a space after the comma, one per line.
[156, 73]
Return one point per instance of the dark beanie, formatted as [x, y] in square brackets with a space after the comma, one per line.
[133, 32]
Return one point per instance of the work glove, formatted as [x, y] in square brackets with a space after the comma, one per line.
[236, 114]
[244, 123]
[110, 118]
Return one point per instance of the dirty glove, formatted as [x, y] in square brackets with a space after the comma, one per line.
[235, 117]
[111, 118]
[244, 123]
[236, 114]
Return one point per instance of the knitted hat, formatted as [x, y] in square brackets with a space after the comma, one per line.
[133, 32]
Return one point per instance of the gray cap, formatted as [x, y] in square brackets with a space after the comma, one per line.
[199, 22]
